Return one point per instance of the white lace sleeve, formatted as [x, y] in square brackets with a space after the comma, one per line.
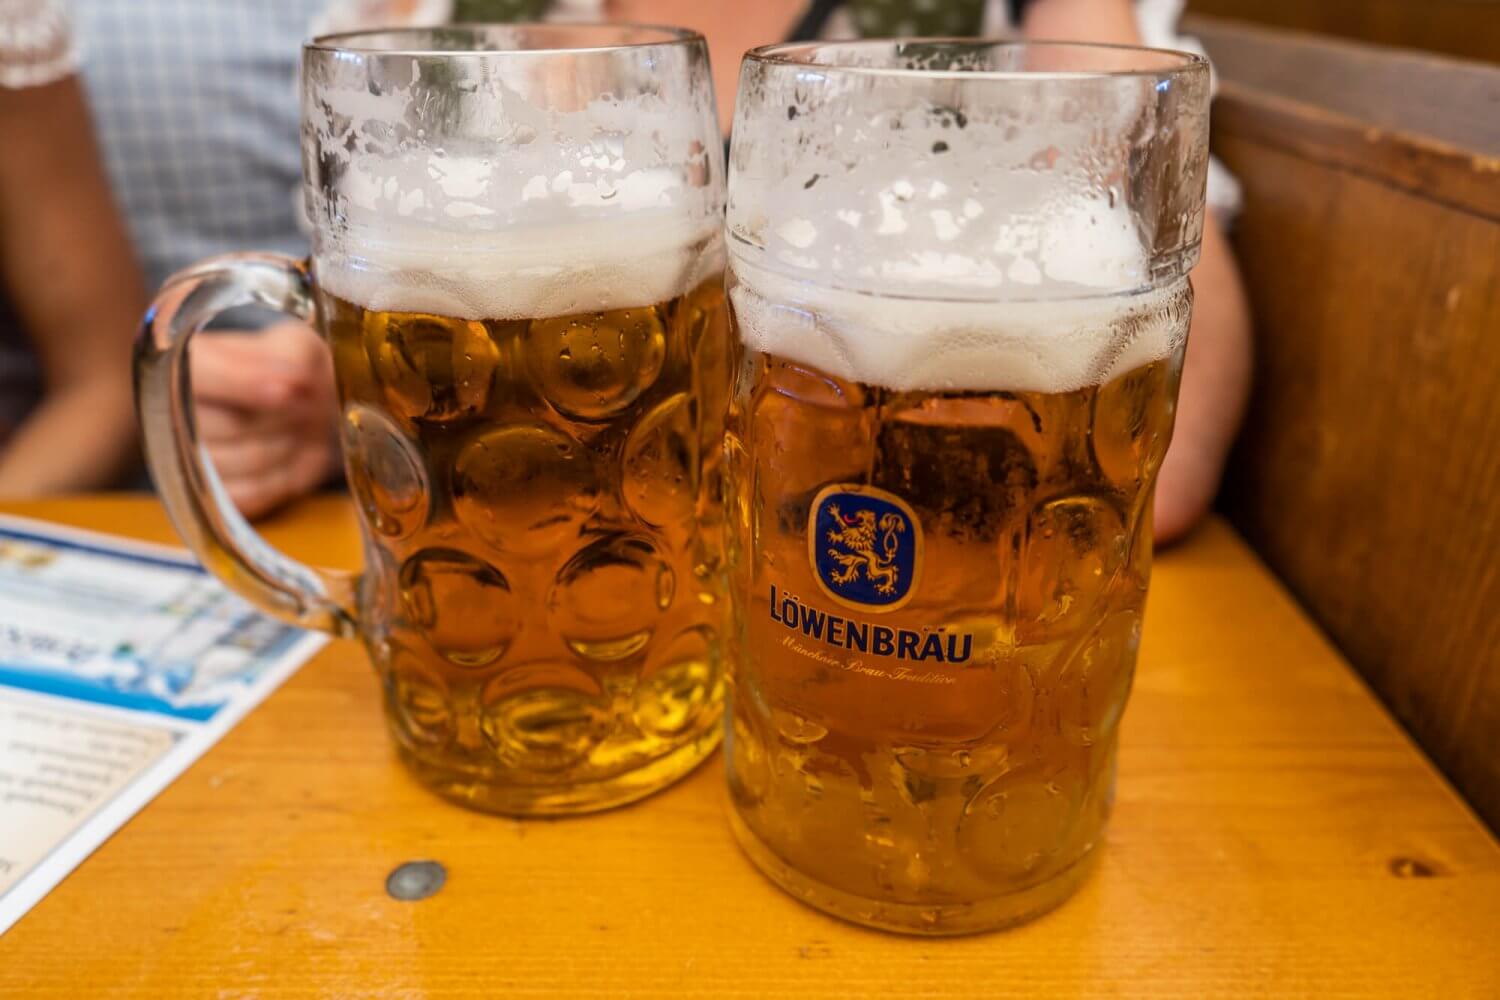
[36, 43]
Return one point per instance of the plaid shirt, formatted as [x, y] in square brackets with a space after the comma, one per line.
[195, 105]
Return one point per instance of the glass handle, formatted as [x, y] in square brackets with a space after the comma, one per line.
[191, 490]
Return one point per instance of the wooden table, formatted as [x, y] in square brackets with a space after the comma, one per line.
[1276, 834]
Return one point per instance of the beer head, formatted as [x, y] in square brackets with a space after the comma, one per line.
[556, 269]
[989, 217]
[512, 172]
[916, 342]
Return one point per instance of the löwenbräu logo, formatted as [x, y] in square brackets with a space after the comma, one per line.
[926, 646]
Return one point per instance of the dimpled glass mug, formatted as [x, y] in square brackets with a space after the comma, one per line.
[958, 279]
[517, 265]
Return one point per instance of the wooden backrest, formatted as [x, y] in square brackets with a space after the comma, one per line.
[1466, 28]
[1368, 474]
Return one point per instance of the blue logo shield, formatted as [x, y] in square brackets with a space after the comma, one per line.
[865, 546]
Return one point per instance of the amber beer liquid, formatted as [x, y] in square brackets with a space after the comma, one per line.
[939, 596]
[958, 285]
[542, 499]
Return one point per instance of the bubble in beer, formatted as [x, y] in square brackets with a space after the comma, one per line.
[419, 700]
[384, 475]
[749, 772]
[1128, 438]
[958, 760]
[708, 340]
[606, 600]
[797, 729]
[463, 606]
[590, 366]
[1075, 545]
[544, 729]
[524, 488]
[1015, 823]
[1093, 685]
[661, 462]
[379, 591]
[431, 367]
[678, 684]
[795, 397]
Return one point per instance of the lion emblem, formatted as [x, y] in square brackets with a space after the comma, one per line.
[857, 534]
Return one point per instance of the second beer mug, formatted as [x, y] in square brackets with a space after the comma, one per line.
[517, 264]
[958, 280]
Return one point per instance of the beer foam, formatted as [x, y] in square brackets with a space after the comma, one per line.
[908, 343]
[514, 237]
[527, 272]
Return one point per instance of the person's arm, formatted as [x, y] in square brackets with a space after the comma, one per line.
[68, 270]
[1215, 388]
[1216, 374]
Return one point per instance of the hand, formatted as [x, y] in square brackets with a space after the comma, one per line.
[267, 412]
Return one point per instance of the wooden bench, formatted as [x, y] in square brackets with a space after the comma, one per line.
[1466, 28]
[1368, 475]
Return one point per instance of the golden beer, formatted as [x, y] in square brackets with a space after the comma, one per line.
[543, 498]
[939, 599]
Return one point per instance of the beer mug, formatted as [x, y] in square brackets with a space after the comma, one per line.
[517, 261]
[957, 275]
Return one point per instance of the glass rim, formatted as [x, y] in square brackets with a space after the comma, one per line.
[343, 41]
[781, 54]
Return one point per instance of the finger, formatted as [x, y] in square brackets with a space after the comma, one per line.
[217, 423]
[256, 496]
[294, 341]
[289, 338]
[226, 372]
[305, 418]
[300, 351]
[223, 423]
[260, 494]
[252, 456]
[301, 472]
[268, 368]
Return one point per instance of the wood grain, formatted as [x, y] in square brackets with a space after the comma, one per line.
[1466, 28]
[1433, 170]
[1428, 124]
[1276, 835]
[1450, 101]
[1369, 469]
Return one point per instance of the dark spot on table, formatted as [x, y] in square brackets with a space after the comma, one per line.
[1404, 867]
[415, 880]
